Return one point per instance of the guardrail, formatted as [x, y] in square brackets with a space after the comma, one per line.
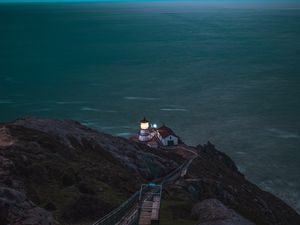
[119, 213]
[170, 178]
[116, 215]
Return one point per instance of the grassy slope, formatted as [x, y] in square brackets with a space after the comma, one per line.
[56, 176]
[167, 214]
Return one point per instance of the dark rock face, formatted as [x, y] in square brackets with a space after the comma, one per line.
[16, 209]
[80, 174]
[213, 212]
[214, 175]
[208, 150]
[76, 138]
[56, 163]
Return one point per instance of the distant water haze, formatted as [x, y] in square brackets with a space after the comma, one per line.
[230, 76]
[227, 3]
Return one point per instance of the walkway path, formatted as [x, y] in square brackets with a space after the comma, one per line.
[143, 207]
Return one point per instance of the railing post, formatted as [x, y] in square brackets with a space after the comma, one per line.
[137, 198]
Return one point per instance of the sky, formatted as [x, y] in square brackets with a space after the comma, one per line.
[200, 1]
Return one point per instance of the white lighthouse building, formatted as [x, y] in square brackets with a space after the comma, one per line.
[145, 134]
[155, 137]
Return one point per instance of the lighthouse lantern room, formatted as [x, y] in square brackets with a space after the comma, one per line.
[144, 124]
[145, 134]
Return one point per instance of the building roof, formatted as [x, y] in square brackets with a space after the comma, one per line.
[144, 120]
[165, 131]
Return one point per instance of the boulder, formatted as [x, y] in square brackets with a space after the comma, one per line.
[16, 209]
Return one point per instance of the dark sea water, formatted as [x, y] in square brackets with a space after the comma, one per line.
[231, 76]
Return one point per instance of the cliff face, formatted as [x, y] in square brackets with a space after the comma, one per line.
[213, 175]
[78, 174]
[61, 165]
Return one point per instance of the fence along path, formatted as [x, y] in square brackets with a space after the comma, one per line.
[136, 209]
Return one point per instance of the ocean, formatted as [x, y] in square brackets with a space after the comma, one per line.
[227, 75]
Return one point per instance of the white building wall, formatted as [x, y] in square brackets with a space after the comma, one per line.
[144, 135]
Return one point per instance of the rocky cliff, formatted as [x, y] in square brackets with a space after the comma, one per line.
[213, 175]
[58, 171]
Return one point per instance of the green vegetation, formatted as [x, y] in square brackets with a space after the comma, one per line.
[171, 213]
[60, 196]
[63, 190]
[56, 194]
[81, 184]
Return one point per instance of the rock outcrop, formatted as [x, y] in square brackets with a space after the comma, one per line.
[58, 163]
[16, 209]
[76, 137]
[213, 175]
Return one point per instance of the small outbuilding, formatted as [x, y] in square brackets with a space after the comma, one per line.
[167, 136]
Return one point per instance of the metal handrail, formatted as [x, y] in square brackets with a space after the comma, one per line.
[177, 172]
[116, 215]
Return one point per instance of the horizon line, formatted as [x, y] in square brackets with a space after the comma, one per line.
[205, 5]
[214, 2]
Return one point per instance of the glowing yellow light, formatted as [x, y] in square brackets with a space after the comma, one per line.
[144, 125]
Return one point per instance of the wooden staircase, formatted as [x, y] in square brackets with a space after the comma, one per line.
[149, 213]
[143, 207]
[145, 214]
